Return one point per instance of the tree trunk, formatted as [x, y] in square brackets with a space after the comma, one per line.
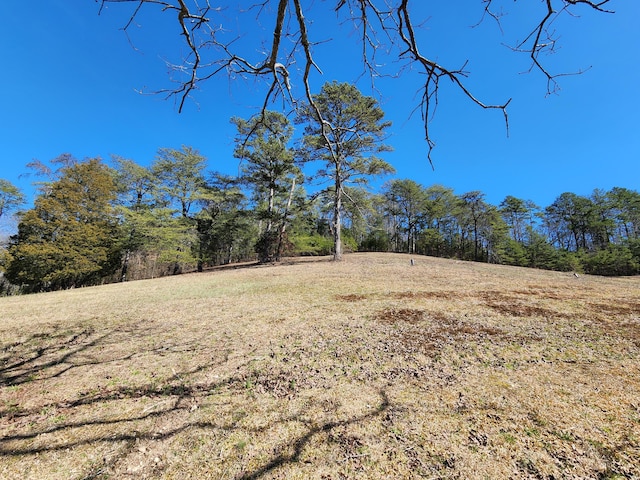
[284, 220]
[475, 239]
[337, 220]
[270, 208]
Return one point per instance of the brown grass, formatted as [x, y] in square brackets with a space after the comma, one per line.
[370, 368]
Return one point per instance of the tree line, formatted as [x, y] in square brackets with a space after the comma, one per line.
[94, 222]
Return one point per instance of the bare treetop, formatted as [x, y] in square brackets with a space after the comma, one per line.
[386, 33]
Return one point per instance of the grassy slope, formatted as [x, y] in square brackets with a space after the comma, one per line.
[369, 368]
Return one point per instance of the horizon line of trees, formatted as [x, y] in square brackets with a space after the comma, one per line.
[94, 223]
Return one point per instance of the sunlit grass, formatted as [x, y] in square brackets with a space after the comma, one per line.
[370, 368]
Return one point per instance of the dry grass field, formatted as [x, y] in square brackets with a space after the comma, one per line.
[370, 368]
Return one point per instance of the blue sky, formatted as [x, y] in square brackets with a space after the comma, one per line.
[71, 78]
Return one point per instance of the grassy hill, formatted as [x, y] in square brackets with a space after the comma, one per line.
[370, 368]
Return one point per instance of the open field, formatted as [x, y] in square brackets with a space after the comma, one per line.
[369, 368]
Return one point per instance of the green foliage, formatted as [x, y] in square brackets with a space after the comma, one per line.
[474, 219]
[360, 213]
[346, 142]
[513, 252]
[91, 224]
[227, 231]
[407, 205]
[349, 243]
[136, 184]
[310, 245]
[180, 177]
[272, 245]
[10, 197]
[625, 212]
[267, 246]
[518, 215]
[541, 254]
[159, 231]
[71, 236]
[269, 168]
[613, 260]
[5, 259]
[376, 241]
[634, 247]
[431, 241]
[176, 220]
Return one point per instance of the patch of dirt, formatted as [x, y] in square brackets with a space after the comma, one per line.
[409, 295]
[620, 308]
[425, 295]
[506, 304]
[518, 309]
[352, 297]
[278, 383]
[407, 315]
[419, 330]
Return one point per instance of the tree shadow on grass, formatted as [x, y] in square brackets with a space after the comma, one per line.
[114, 415]
[300, 443]
[29, 360]
[99, 415]
[283, 262]
[43, 356]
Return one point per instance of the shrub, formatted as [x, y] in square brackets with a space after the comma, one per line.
[614, 260]
[312, 245]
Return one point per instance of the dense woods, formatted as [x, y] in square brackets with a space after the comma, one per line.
[95, 221]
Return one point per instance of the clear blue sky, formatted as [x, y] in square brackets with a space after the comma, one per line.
[70, 77]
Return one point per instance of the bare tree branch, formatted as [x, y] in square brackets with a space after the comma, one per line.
[542, 40]
[386, 29]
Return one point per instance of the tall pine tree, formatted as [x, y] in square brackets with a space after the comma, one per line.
[344, 130]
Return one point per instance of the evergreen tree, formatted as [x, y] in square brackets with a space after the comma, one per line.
[571, 219]
[407, 202]
[474, 215]
[71, 237]
[180, 184]
[344, 130]
[359, 214]
[136, 184]
[226, 229]
[440, 215]
[518, 214]
[269, 168]
[625, 212]
[10, 197]
[180, 176]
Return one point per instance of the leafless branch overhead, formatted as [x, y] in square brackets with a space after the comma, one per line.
[388, 33]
